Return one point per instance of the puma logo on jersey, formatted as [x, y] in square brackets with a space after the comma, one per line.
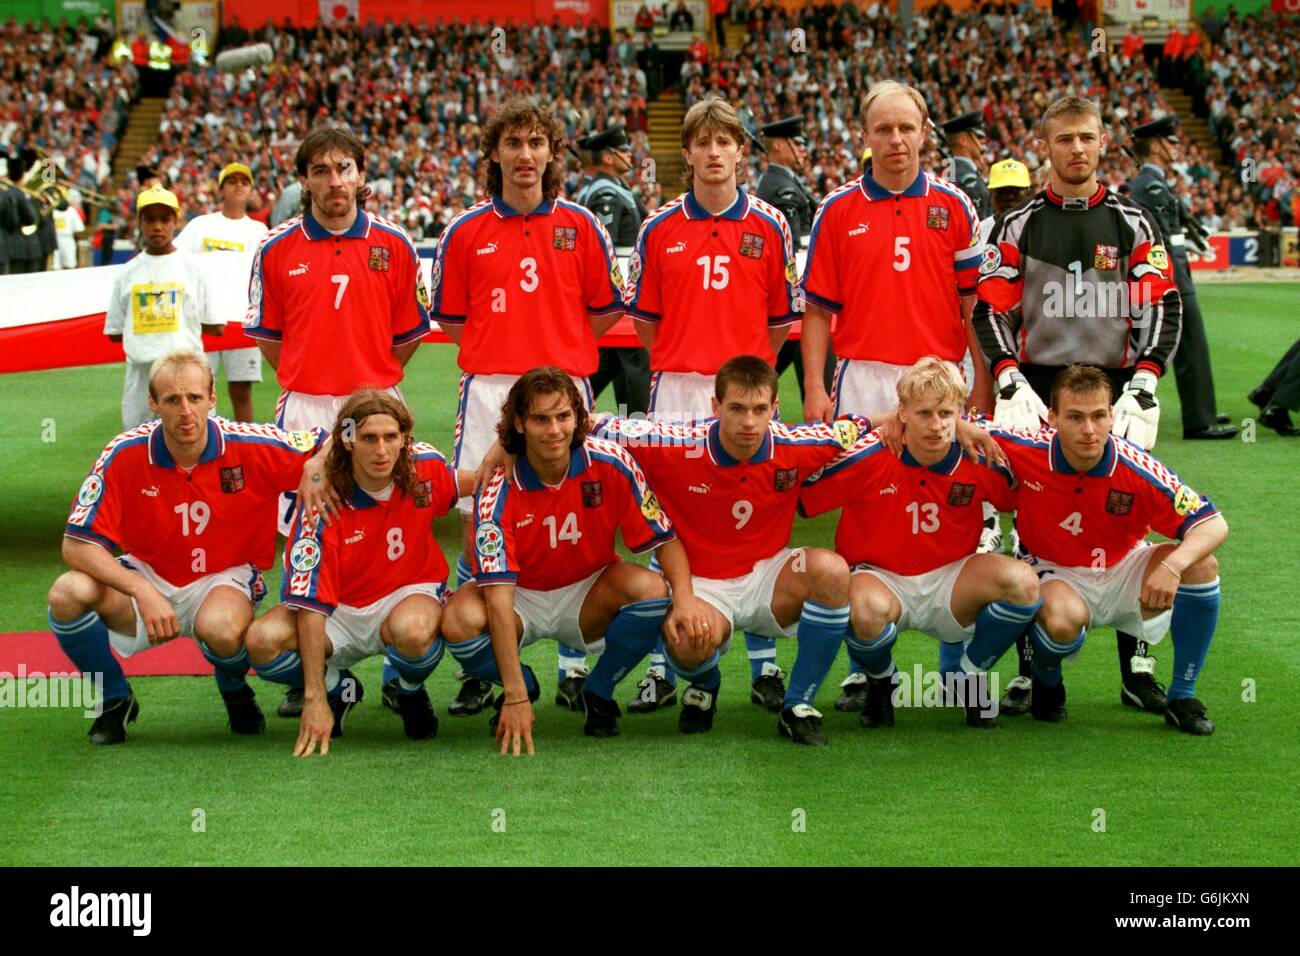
[891, 490]
[356, 537]
[698, 489]
[150, 492]
[861, 228]
[525, 522]
[675, 247]
[1033, 486]
[301, 270]
[487, 250]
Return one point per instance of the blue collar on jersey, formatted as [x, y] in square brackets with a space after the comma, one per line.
[724, 460]
[358, 230]
[944, 466]
[361, 499]
[160, 456]
[1099, 470]
[874, 190]
[1158, 170]
[737, 211]
[527, 477]
[502, 210]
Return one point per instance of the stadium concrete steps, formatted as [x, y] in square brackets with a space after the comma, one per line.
[665, 134]
[736, 35]
[141, 132]
[1193, 126]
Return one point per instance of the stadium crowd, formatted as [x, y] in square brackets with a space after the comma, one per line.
[417, 94]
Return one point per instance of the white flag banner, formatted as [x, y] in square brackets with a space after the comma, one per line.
[338, 11]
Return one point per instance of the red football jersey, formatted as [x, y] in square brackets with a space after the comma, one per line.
[542, 538]
[729, 514]
[372, 547]
[337, 304]
[1095, 518]
[713, 285]
[900, 515]
[189, 524]
[894, 268]
[523, 286]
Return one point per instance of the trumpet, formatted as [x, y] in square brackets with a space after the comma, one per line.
[44, 176]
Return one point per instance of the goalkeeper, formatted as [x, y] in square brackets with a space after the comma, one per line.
[1079, 274]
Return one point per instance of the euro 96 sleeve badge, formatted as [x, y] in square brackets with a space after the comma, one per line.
[92, 489]
[1186, 501]
[304, 556]
[488, 539]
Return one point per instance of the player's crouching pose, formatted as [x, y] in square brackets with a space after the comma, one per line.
[1087, 500]
[371, 581]
[731, 485]
[544, 560]
[187, 500]
[909, 529]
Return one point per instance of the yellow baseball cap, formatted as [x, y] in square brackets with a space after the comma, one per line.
[157, 196]
[231, 169]
[1009, 172]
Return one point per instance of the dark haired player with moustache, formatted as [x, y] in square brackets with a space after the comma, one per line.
[186, 499]
[336, 301]
[524, 278]
[1086, 501]
[1079, 274]
[371, 581]
[544, 560]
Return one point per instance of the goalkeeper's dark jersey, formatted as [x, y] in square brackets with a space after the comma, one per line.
[1077, 280]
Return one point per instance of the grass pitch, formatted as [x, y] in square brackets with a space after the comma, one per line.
[1109, 786]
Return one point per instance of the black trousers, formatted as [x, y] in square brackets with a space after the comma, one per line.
[629, 370]
[1191, 363]
[1283, 383]
[790, 354]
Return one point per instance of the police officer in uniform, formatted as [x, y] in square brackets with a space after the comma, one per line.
[1154, 148]
[782, 186]
[964, 136]
[622, 212]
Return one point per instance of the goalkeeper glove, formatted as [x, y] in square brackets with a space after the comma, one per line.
[1018, 406]
[1137, 413]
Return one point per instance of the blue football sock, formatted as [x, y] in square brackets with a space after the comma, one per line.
[659, 661]
[762, 650]
[630, 637]
[873, 657]
[231, 672]
[412, 672]
[464, 574]
[706, 675]
[476, 659]
[996, 629]
[390, 672]
[1196, 614]
[1048, 654]
[819, 633]
[285, 669]
[85, 641]
[571, 661]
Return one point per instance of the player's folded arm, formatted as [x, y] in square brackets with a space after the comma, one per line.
[78, 533]
[300, 603]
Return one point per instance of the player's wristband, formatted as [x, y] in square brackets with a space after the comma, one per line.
[1165, 565]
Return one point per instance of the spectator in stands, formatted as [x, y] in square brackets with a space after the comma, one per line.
[682, 19]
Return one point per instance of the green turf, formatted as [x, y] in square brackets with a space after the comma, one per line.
[927, 792]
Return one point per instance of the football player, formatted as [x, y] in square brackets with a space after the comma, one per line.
[909, 529]
[544, 560]
[371, 581]
[1086, 501]
[187, 501]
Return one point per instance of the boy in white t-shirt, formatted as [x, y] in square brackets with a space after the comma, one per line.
[235, 235]
[159, 302]
[68, 224]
